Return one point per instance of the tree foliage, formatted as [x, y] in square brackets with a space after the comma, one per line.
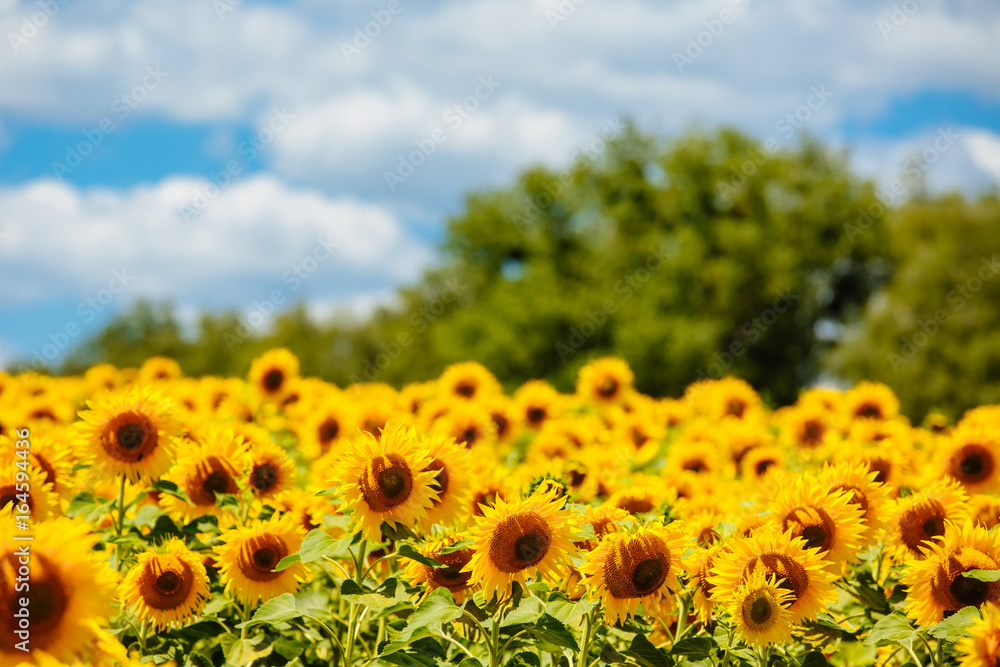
[933, 332]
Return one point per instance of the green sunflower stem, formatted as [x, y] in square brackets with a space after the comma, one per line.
[120, 524]
[354, 622]
[681, 618]
[589, 630]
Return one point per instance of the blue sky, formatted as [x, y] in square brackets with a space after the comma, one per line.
[119, 121]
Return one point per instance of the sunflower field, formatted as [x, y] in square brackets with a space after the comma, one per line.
[153, 518]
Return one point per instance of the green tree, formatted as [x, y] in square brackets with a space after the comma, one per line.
[933, 332]
[669, 254]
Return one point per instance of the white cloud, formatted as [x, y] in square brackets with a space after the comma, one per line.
[984, 149]
[947, 158]
[255, 236]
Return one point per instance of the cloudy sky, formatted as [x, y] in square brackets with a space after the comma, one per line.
[214, 151]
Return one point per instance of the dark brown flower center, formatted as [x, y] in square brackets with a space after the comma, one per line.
[273, 380]
[263, 477]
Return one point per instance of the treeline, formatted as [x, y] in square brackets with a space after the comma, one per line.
[699, 256]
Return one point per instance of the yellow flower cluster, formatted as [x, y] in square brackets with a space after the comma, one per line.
[158, 503]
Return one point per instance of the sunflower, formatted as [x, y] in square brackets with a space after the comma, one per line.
[858, 482]
[270, 471]
[518, 539]
[538, 401]
[52, 455]
[505, 417]
[728, 398]
[603, 520]
[488, 486]
[327, 427]
[802, 571]
[453, 575]
[206, 468]
[604, 381]
[469, 381]
[937, 584]
[917, 519]
[158, 369]
[271, 371]
[826, 521]
[450, 463]
[248, 556]
[760, 461]
[870, 400]
[386, 479]
[807, 427]
[130, 433]
[638, 566]
[760, 610]
[984, 510]
[168, 586]
[42, 502]
[982, 647]
[972, 456]
[645, 494]
[70, 589]
[699, 566]
[639, 434]
[469, 423]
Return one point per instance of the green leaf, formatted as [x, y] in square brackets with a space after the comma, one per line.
[982, 575]
[610, 655]
[276, 610]
[814, 659]
[647, 655]
[389, 593]
[408, 551]
[889, 630]
[695, 648]
[524, 659]
[171, 489]
[955, 626]
[287, 562]
[563, 609]
[528, 611]
[147, 516]
[457, 546]
[471, 662]
[549, 630]
[318, 544]
[288, 648]
[242, 652]
[438, 607]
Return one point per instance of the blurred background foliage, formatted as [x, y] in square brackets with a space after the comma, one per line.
[703, 255]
